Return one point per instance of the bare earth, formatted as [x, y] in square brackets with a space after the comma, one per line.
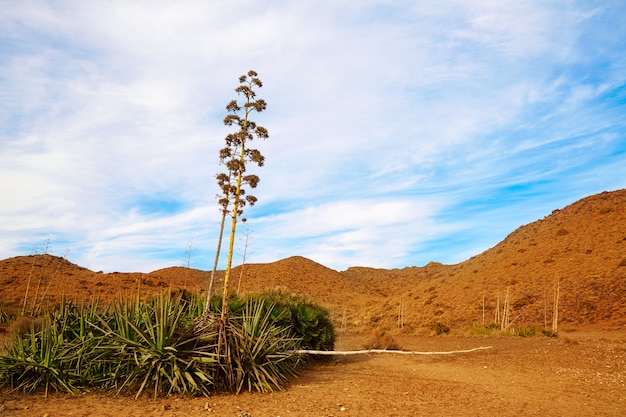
[579, 374]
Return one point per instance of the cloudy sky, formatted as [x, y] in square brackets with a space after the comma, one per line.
[401, 132]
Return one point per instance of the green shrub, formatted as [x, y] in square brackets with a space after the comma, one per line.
[549, 333]
[485, 330]
[307, 320]
[524, 331]
[312, 323]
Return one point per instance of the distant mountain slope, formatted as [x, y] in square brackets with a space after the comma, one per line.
[582, 247]
[31, 282]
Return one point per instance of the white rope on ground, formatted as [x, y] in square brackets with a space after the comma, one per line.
[399, 352]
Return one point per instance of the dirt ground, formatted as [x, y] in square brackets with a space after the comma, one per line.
[576, 374]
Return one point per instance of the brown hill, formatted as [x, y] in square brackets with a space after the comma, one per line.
[582, 248]
[32, 282]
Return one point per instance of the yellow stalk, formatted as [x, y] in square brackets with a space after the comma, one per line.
[233, 227]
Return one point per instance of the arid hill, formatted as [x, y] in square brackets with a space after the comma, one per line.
[579, 250]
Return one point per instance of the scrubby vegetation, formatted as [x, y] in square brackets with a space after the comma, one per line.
[438, 328]
[4, 316]
[518, 331]
[165, 346]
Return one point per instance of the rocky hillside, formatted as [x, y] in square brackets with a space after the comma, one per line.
[579, 251]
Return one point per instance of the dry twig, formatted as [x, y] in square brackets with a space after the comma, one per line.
[400, 352]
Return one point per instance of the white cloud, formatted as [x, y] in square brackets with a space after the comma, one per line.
[350, 232]
[374, 108]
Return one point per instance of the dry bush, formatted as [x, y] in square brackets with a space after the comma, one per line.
[24, 324]
[382, 340]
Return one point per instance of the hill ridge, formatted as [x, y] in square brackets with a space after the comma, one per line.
[582, 247]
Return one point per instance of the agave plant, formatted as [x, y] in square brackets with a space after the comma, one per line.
[157, 345]
[81, 338]
[41, 358]
[260, 354]
[149, 346]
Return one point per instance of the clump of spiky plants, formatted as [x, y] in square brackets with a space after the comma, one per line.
[307, 320]
[157, 346]
[44, 355]
[128, 346]
[260, 354]
[153, 345]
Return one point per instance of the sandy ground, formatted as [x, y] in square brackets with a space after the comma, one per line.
[577, 374]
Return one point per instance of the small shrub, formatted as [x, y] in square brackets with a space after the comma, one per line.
[4, 316]
[382, 340]
[486, 330]
[438, 328]
[524, 331]
[549, 333]
[569, 341]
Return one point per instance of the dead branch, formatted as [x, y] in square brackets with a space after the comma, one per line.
[399, 352]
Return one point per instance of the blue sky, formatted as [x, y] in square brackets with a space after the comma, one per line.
[401, 132]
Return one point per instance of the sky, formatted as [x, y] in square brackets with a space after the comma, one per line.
[400, 132]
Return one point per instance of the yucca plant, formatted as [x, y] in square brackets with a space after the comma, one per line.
[236, 305]
[260, 353]
[157, 345]
[113, 329]
[41, 358]
[82, 338]
[194, 304]
[149, 346]
[58, 352]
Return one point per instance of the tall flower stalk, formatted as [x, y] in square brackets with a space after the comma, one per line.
[235, 156]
